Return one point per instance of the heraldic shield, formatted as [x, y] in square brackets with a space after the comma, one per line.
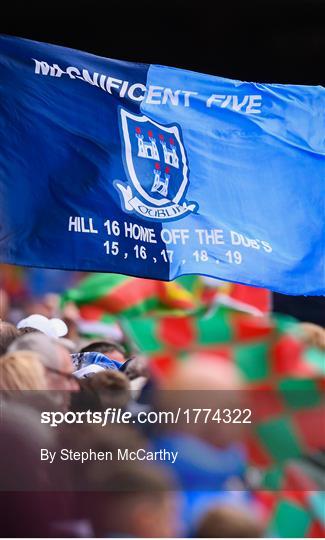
[156, 164]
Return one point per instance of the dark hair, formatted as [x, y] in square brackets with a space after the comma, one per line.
[28, 330]
[228, 522]
[103, 347]
[107, 388]
[8, 334]
[111, 387]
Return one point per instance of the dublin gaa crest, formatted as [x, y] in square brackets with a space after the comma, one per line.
[156, 165]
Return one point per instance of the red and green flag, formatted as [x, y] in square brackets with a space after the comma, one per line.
[211, 291]
[286, 387]
[299, 507]
[262, 348]
[202, 331]
[288, 420]
[102, 295]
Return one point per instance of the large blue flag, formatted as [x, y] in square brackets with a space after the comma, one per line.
[156, 172]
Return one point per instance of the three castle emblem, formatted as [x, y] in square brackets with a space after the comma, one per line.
[157, 168]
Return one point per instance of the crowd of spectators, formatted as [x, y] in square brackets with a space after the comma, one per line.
[204, 494]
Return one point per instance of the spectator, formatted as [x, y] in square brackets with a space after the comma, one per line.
[55, 359]
[8, 333]
[88, 359]
[21, 370]
[54, 328]
[228, 522]
[28, 505]
[140, 503]
[212, 459]
[108, 388]
[27, 330]
[115, 351]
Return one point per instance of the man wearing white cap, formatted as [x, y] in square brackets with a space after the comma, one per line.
[53, 328]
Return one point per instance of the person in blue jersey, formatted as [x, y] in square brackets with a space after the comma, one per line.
[211, 463]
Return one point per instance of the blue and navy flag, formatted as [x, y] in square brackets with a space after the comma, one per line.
[157, 172]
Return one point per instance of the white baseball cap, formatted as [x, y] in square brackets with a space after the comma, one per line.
[54, 328]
